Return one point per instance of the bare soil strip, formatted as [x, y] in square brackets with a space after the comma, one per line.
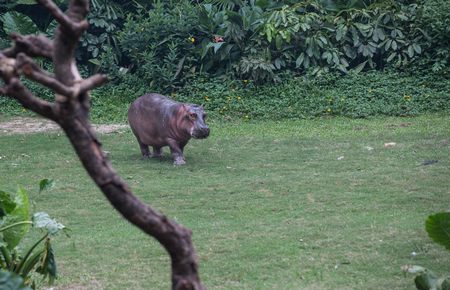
[29, 125]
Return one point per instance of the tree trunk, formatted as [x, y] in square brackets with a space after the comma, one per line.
[71, 111]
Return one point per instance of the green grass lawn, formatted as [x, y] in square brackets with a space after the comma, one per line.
[314, 204]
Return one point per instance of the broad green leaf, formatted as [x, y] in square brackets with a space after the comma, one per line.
[300, 59]
[378, 34]
[335, 58]
[444, 283]
[339, 34]
[278, 63]
[417, 48]
[21, 213]
[269, 33]
[306, 63]
[205, 48]
[48, 264]
[363, 28]
[46, 184]
[438, 228]
[17, 22]
[326, 55]
[95, 61]
[388, 44]
[394, 45]
[11, 281]
[215, 45]
[426, 281]
[391, 57]
[278, 41]
[360, 67]
[410, 51]
[7, 205]
[323, 39]
[43, 220]
[226, 51]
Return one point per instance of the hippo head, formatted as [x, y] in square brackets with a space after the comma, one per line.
[195, 120]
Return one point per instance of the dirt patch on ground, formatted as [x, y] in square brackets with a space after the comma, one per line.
[28, 125]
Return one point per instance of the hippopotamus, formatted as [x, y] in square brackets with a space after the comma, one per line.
[158, 121]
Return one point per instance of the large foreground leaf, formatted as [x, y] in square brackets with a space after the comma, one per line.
[48, 263]
[21, 213]
[17, 22]
[46, 184]
[43, 220]
[7, 205]
[10, 281]
[438, 228]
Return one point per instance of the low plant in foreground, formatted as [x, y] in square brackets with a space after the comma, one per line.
[17, 266]
[438, 229]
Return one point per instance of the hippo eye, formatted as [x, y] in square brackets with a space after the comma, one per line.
[193, 116]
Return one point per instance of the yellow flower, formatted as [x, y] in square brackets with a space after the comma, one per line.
[238, 97]
[192, 39]
[206, 98]
[369, 90]
[245, 82]
[328, 110]
[407, 98]
[228, 98]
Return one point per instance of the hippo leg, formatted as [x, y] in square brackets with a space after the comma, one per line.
[176, 149]
[144, 150]
[157, 152]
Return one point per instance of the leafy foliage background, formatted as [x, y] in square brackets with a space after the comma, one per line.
[290, 59]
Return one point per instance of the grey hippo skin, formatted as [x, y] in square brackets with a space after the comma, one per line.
[158, 121]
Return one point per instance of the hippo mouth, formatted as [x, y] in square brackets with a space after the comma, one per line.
[200, 134]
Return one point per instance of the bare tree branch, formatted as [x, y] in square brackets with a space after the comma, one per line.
[32, 45]
[29, 101]
[15, 88]
[66, 22]
[92, 82]
[7, 68]
[32, 71]
[71, 112]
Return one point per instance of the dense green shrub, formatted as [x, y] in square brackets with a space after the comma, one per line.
[259, 40]
[157, 45]
[388, 93]
[354, 95]
[313, 50]
[435, 22]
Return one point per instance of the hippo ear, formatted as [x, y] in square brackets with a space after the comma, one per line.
[184, 109]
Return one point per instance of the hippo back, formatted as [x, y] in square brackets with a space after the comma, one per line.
[149, 117]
